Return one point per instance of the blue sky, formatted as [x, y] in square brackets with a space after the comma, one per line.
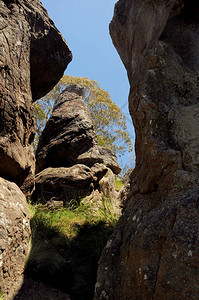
[84, 24]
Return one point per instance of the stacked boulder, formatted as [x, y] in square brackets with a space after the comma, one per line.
[69, 162]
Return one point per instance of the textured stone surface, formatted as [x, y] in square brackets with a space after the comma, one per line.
[107, 185]
[109, 159]
[105, 196]
[33, 56]
[14, 237]
[64, 184]
[68, 144]
[102, 155]
[108, 190]
[98, 171]
[153, 253]
[49, 52]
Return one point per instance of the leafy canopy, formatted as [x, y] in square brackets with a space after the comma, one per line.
[108, 120]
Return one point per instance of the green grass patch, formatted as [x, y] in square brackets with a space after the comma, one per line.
[66, 245]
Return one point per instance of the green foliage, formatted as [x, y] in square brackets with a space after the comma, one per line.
[65, 220]
[42, 111]
[118, 183]
[2, 296]
[108, 120]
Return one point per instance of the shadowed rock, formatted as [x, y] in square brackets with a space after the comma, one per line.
[154, 249]
[34, 290]
[33, 57]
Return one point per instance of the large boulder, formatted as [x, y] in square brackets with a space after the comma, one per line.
[153, 252]
[99, 154]
[14, 237]
[33, 57]
[63, 184]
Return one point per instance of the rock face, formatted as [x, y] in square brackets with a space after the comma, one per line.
[108, 190]
[153, 253]
[33, 57]
[14, 237]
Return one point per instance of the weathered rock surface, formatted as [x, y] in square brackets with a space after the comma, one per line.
[64, 184]
[33, 57]
[107, 185]
[105, 195]
[108, 190]
[153, 253]
[109, 159]
[14, 237]
[69, 137]
[102, 155]
[98, 171]
[67, 184]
